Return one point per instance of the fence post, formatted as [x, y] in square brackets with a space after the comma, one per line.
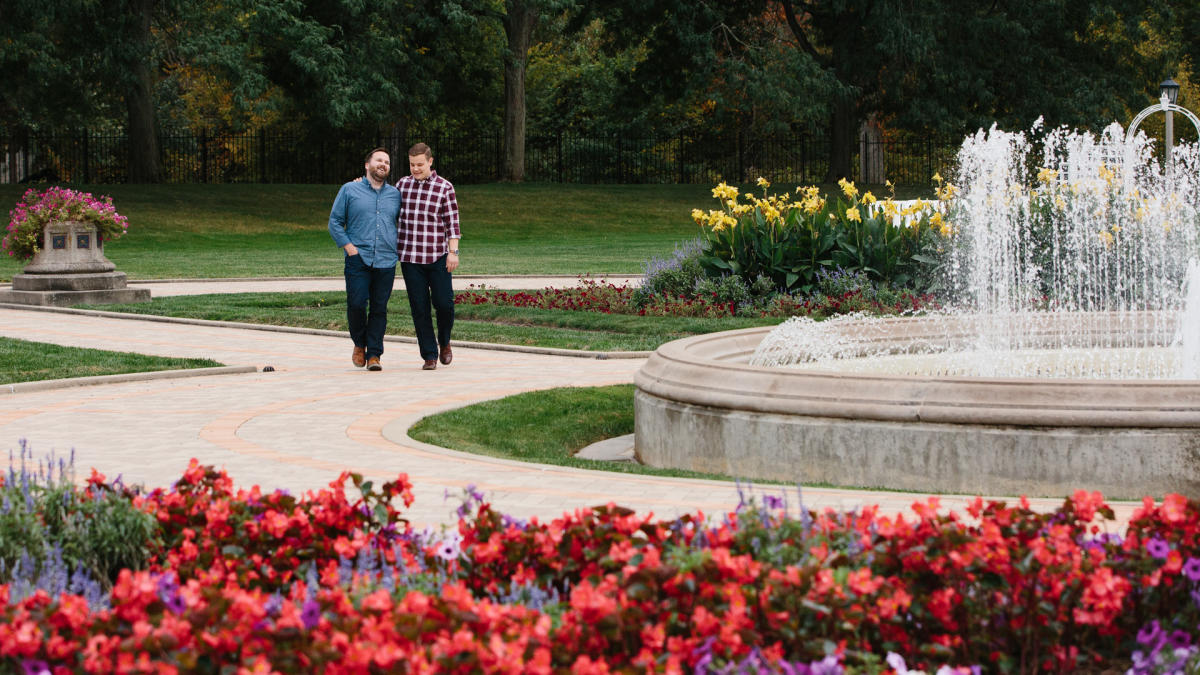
[679, 170]
[559, 161]
[928, 159]
[204, 155]
[620, 162]
[25, 157]
[740, 165]
[262, 156]
[87, 166]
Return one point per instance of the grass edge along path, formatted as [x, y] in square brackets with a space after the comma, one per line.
[547, 426]
[522, 326]
[27, 361]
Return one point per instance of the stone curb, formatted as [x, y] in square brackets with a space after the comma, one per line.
[616, 449]
[45, 385]
[549, 351]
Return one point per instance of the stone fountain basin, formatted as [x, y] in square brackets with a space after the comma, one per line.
[699, 405]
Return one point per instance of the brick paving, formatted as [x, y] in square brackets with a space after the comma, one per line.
[316, 415]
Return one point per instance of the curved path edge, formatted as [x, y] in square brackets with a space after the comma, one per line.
[494, 346]
[67, 383]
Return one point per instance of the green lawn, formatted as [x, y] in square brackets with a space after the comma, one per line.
[473, 323]
[24, 361]
[214, 231]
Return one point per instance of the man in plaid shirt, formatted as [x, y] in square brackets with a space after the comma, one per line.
[428, 247]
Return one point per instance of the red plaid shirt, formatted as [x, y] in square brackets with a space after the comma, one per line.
[428, 217]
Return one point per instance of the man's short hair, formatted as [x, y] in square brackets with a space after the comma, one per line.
[372, 154]
[420, 149]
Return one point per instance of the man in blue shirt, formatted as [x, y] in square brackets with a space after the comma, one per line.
[363, 223]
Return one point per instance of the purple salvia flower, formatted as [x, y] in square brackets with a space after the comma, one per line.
[273, 604]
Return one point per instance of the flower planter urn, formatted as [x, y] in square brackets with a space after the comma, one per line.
[71, 269]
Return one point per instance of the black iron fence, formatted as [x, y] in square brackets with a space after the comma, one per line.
[267, 157]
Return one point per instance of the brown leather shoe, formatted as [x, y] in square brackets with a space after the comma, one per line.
[446, 356]
[373, 363]
[430, 364]
[359, 357]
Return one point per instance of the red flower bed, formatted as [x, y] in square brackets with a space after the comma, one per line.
[251, 582]
[608, 298]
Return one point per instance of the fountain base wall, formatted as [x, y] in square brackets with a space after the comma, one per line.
[700, 406]
[951, 458]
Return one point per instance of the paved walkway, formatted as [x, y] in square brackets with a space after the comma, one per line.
[316, 415]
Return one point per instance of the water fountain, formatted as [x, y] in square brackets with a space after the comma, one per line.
[1068, 362]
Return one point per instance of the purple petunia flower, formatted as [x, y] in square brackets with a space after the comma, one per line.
[1158, 548]
[310, 614]
[1150, 634]
[773, 502]
[1179, 639]
[450, 548]
[1191, 569]
[897, 663]
[826, 666]
[35, 667]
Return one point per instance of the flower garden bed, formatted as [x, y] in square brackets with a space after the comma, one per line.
[245, 581]
[608, 298]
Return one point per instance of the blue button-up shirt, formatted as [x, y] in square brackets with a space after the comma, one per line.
[367, 218]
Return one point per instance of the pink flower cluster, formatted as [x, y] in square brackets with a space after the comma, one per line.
[38, 208]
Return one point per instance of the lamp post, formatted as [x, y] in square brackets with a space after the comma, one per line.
[1170, 93]
[1166, 104]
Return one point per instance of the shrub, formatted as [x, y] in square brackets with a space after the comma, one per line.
[675, 276]
[48, 527]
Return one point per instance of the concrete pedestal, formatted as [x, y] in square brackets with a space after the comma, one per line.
[71, 269]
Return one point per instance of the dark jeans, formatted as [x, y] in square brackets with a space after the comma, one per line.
[367, 286]
[430, 285]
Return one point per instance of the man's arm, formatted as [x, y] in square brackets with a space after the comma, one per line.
[337, 222]
[453, 232]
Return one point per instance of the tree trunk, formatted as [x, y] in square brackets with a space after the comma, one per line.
[872, 169]
[843, 126]
[518, 25]
[144, 164]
